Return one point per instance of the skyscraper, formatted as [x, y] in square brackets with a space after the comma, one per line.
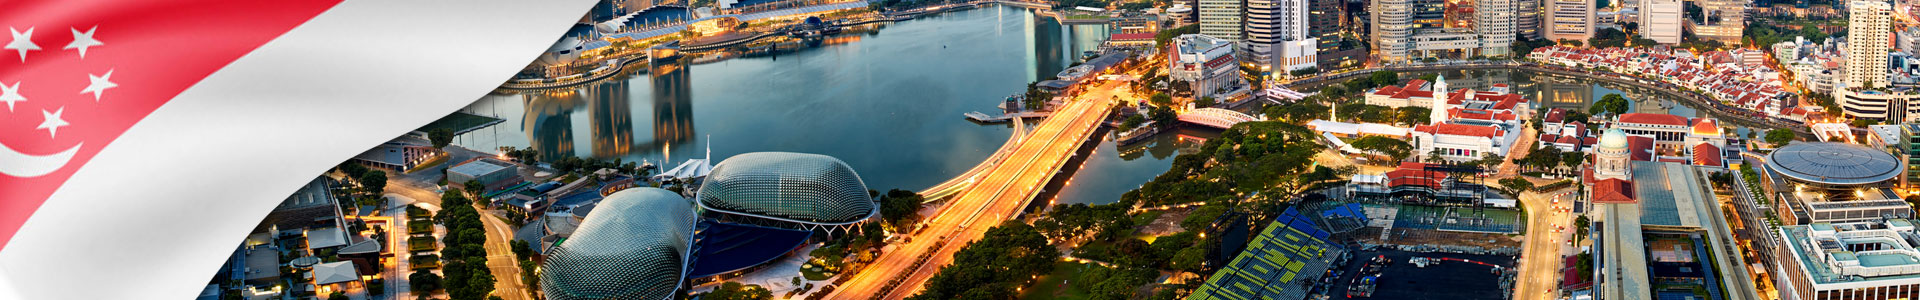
[1660, 20]
[1721, 20]
[1277, 34]
[1494, 20]
[1527, 18]
[1568, 20]
[1867, 30]
[1392, 28]
[1222, 19]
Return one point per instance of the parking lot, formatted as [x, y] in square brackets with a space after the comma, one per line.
[1446, 280]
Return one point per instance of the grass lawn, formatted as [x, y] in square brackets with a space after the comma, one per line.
[435, 161]
[422, 243]
[425, 261]
[459, 121]
[1146, 218]
[1050, 286]
[419, 227]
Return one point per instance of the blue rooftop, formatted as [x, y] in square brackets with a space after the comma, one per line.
[725, 247]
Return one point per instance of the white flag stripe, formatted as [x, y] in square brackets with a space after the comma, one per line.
[157, 212]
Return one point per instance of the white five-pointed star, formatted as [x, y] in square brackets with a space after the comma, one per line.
[22, 41]
[83, 40]
[99, 84]
[52, 121]
[11, 94]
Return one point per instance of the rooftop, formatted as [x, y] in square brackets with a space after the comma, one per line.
[1826, 251]
[477, 167]
[1278, 264]
[1834, 163]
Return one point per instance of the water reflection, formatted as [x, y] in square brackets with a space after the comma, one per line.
[672, 106]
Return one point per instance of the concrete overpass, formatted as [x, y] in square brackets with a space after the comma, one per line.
[992, 193]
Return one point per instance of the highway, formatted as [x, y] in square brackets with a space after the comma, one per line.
[998, 195]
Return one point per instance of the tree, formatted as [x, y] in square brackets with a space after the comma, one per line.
[1132, 121]
[475, 188]
[1384, 78]
[375, 182]
[353, 170]
[1413, 115]
[1779, 137]
[338, 296]
[1204, 102]
[900, 207]
[521, 249]
[1161, 39]
[440, 137]
[1609, 104]
[736, 291]
[1005, 256]
[424, 281]
[1160, 99]
[1516, 185]
[1163, 117]
[1395, 148]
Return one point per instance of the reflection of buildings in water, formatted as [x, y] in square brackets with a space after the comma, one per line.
[1049, 46]
[672, 105]
[548, 121]
[612, 123]
[1163, 146]
[1562, 92]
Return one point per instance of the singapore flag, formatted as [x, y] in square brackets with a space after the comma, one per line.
[141, 139]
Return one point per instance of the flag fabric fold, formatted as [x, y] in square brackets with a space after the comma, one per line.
[141, 140]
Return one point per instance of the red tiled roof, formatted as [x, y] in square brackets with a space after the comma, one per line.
[1459, 129]
[1658, 119]
[1641, 147]
[1555, 116]
[1613, 191]
[1706, 155]
[1706, 127]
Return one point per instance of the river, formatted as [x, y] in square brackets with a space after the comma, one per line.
[888, 103]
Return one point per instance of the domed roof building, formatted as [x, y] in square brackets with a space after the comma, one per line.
[634, 245]
[785, 189]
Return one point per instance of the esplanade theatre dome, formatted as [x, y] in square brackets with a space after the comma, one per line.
[809, 189]
[634, 245]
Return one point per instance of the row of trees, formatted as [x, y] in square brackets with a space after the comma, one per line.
[466, 276]
[994, 266]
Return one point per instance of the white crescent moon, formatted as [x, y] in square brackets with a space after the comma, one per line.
[16, 164]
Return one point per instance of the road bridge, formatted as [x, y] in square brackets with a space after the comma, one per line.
[985, 199]
[1216, 117]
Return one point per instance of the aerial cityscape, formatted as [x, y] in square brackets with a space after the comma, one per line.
[1146, 149]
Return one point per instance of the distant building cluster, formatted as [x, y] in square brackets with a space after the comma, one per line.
[1738, 78]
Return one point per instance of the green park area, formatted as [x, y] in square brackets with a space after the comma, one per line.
[1058, 284]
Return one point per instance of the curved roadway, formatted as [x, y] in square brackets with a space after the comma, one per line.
[998, 195]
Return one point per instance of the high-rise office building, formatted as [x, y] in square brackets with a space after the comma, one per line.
[1223, 19]
[1392, 28]
[1429, 13]
[1868, 26]
[1527, 18]
[1661, 20]
[1495, 22]
[1276, 32]
[1721, 20]
[1568, 20]
[1323, 22]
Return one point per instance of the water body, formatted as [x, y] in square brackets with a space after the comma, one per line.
[889, 104]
